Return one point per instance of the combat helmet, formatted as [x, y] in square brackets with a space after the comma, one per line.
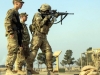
[23, 14]
[44, 7]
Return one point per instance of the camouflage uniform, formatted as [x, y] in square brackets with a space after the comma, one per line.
[12, 42]
[96, 59]
[12, 23]
[23, 53]
[40, 28]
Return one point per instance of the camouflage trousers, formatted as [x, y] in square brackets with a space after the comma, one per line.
[97, 64]
[22, 55]
[42, 43]
[12, 50]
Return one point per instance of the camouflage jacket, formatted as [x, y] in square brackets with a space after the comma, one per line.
[11, 21]
[26, 36]
[41, 25]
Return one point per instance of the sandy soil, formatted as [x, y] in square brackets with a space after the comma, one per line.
[2, 72]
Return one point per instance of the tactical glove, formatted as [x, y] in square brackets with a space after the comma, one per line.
[48, 16]
[56, 15]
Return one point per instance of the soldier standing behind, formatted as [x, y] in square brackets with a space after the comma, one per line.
[13, 33]
[40, 27]
[23, 53]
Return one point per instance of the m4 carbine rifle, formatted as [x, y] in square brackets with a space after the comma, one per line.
[53, 12]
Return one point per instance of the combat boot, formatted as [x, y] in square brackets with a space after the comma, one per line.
[51, 73]
[9, 71]
[20, 72]
[32, 72]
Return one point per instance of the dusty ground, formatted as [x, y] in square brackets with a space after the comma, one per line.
[2, 69]
[2, 72]
[45, 73]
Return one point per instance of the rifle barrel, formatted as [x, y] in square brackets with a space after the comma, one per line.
[64, 13]
[71, 13]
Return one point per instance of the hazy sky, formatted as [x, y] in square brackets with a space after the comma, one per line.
[78, 32]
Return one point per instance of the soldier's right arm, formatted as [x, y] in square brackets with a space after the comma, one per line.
[8, 22]
[39, 21]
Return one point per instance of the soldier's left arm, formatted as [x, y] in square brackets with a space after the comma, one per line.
[51, 22]
[56, 15]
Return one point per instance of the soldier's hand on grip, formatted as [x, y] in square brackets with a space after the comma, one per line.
[56, 15]
[48, 16]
